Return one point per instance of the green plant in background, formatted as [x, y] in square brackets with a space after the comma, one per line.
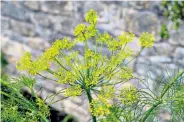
[164, 32]
[97, 76]
[174, 11]
[3, 62]
[167, 98]
[17, 108]
[21, 105]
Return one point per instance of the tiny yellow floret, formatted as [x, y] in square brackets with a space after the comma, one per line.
[79, 29]
[126, 37]
[73, 91]
[91, 16]
[146, 39]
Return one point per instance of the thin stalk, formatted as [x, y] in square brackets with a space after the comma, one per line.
[90, 100]
[61, 64]
[44, 118]
[135, 56]
[87, 76]
[57, 101]
[54, 95]
[170, 85]
[150, 111]
[46, 77]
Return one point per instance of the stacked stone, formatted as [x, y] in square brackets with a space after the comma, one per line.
[32, 26]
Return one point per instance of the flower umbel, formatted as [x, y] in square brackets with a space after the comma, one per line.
[94, 70]
[126, 37]
[128, 95]
[25, 62]
[79, 29]
[73, 91]
[97, 108]
[146, 39]
[91, 16]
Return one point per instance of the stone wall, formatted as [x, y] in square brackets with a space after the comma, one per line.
[32, 26]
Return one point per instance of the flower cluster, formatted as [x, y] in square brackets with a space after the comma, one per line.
[99, 109]
[73, 91]
[146, 39]
[41, 63]
[126, 73]
[104, 37]
[91, 72]
[92, 16]
[64, 77]
[101, 106]
[84, 32]
[129, 95]
[126, 37]
[34, 67]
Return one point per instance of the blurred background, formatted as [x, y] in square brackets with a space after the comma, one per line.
[34, 25]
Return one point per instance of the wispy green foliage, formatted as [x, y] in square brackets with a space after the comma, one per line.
[17, 108]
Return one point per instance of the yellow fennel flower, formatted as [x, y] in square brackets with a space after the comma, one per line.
[102, 105]
[25, 62]
[146, 39]
[108, 92]
[73, 91]
[64, 76]
[91, 16]
[40, 64]
[113, 45]
[79, 29]
[128, 95]
[89, 53]
[60, 44]
[126, 37]
[33, 67]
[50, 53]
[97, 108]
[105, 101]
[126, 73]
[90, 31]
[105, 37]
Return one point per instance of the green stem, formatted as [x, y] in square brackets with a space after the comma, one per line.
[170, 85]
[150, 111]
[161, 97]
[61, 64]
[90, 100]
[43, 118]
[135, 56]
[46, 77]
[87, 76]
